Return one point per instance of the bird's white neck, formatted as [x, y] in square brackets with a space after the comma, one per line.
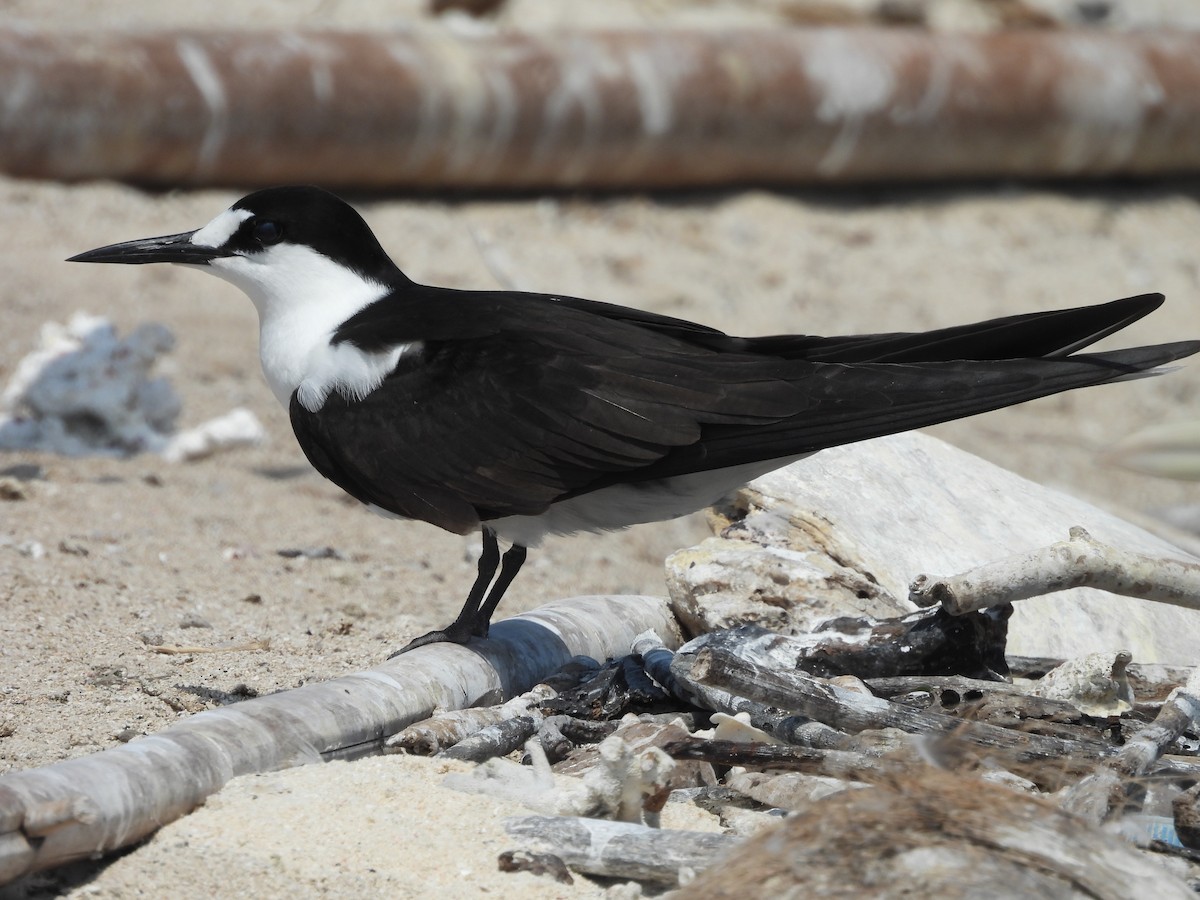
[301, 298]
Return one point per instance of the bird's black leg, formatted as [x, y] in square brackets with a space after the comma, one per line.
[463, 628]
[510, 565]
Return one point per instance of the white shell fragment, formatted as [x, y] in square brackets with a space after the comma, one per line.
[237, 428]
[738, 728]
[88, 392]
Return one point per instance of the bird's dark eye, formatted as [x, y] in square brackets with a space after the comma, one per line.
[267, 232]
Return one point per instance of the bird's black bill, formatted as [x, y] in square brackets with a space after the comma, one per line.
[173, 248]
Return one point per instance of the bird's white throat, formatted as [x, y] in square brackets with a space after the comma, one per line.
[301, 298]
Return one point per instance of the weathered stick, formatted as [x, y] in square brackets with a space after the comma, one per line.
[987, 701]
[964, 688]
[834, 763]
[815, 698]
[448, 727]
[1080, 561]
[1031, 666]
[558, 734]
[789, 728]
[95, 804]
[1104, 791]
[620, 849]
[554, 743]
[640, 108]
[497, 739]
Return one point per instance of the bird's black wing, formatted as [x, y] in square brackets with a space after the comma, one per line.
[514, 402]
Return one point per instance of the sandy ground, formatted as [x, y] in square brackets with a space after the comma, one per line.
[139, 551]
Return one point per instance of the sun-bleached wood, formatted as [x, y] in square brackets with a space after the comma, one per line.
[621, 849]
[1099, 794]
[892, 508]
[849, 711]
[98, 803]
[1079, 561]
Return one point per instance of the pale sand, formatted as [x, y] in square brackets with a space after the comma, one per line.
[136, 547]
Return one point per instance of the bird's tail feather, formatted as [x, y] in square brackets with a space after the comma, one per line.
[1055, 333]
[856, 402]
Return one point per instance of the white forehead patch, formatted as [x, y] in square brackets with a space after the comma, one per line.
[221, 229]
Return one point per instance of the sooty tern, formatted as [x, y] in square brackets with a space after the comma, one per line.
[526, 414]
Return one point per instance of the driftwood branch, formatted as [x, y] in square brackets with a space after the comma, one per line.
[853, 712]
[98, 803]
[789, 728]
[1080, 561]
[997, 702]
[621, 849]
[638, 108]
[498, 739]
[1102, 792]
[449, 727]
[832, 763]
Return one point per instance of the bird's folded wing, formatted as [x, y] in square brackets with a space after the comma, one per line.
[508, 423]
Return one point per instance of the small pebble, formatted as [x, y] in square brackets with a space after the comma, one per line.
[32, 549]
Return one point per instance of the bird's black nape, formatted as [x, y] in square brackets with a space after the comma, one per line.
[475, 618]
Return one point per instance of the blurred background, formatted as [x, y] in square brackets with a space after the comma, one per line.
[777, 166]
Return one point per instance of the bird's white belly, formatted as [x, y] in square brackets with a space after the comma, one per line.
[635, 503]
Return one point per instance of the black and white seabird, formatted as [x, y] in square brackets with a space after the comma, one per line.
[523, 415]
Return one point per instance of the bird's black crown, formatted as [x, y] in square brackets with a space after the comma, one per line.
[303, 214]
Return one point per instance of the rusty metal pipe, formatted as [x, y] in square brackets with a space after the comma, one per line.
[630, 109]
